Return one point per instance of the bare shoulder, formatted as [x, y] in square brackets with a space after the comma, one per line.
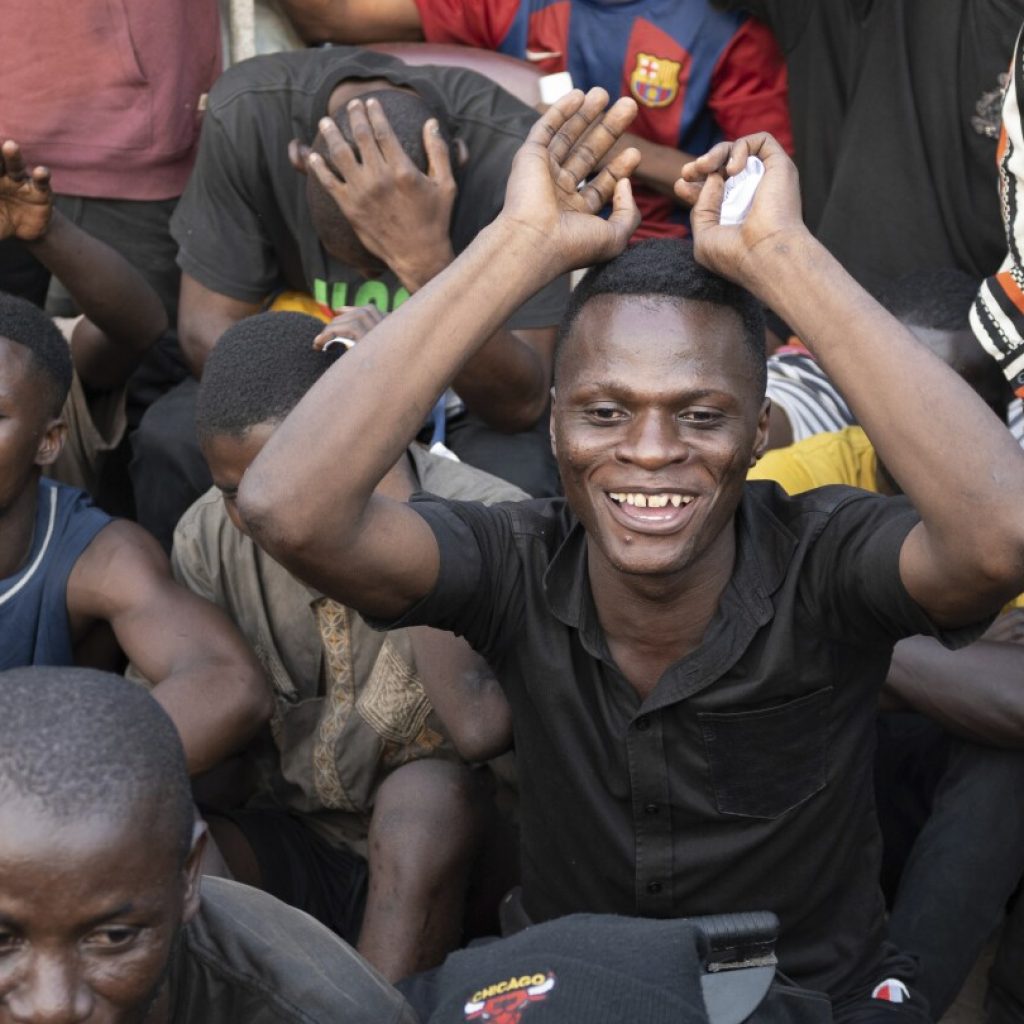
[121, 562]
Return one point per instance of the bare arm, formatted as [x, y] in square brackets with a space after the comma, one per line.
[375, 554]
[466, 696]
[203, 316]
[976, 692]
[355, 22]
[203, 672]
[956, 462]
[403, 217]
[124, 315]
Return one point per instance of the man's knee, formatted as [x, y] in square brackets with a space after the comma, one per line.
[428, 816]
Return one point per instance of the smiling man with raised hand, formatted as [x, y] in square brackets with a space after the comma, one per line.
[693, 685]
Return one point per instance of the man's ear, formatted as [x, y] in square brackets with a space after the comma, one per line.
[51, 444]
[761, 437]
[194, 871]
[298, 155]
[460, 153]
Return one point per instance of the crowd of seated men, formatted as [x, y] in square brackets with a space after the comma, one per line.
[522, 528]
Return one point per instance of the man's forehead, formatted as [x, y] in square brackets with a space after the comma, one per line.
[656, 331]
[16, 362]
[108, 840]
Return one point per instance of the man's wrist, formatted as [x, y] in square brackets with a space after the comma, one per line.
[417, 268]
[766, 267]
[55, 223]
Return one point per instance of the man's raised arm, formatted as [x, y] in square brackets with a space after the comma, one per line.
[951, 456]
[123, 314]
[308, 498]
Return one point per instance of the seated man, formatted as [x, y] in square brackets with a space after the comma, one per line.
[403, 195]
[73, 581]
[359, 775]
[103, 914]
[694, 659]
[123, 315]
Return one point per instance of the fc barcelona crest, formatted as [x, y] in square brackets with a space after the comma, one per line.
[654, 81]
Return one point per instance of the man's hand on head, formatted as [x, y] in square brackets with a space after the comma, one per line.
[401, 214]
[551, 192]
[26, 199]
[734, 251]
[350, 325]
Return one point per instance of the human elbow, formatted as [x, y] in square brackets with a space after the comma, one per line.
[276, 522]
[476, 745]
[251, 699]
[482, 735]
[999, 565]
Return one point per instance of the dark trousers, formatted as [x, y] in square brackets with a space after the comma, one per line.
[966, 859]
[168, 470]
[139, 231]
[21, 273]
[1005, 1004]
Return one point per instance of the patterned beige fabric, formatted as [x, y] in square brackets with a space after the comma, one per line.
[350, 707]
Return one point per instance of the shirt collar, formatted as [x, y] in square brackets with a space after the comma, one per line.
[763, 552]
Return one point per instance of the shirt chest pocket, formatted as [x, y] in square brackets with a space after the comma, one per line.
[767, 761]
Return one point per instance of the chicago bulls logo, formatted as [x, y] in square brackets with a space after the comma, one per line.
[506, 1001]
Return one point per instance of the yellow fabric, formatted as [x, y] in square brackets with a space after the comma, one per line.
[299, 302]
[844, 457]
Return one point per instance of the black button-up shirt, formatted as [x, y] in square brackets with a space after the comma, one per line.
[743, 781]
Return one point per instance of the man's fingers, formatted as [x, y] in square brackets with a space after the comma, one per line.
[384, 136]
[695, 171]
[545, 128]
[603, 186]
[331, 182]
[363, 135]
[604, 133]
[14, 163]
[41, 179]
[575, 128]
[338, 149]
[439, 162]
[707, 210]
[625, 215]
[687, 192]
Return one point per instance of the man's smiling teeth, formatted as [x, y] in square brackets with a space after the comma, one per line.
[651, 500]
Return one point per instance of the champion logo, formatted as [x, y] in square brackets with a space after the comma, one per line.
[892, 990]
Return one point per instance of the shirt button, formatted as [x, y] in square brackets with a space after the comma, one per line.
[654, 888]
[643, 723]
[651, 809]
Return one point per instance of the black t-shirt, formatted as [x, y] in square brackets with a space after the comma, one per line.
[243, 224]
[247, 957]
[744, 781]
[895, 115]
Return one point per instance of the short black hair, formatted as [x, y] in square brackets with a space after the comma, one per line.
[27, 325]
[940, 300]
[79, 743]
[258, 372]
[666, 268]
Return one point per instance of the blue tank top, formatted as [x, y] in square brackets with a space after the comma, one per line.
[34, 627]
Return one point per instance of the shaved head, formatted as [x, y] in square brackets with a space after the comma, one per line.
[79, 744]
